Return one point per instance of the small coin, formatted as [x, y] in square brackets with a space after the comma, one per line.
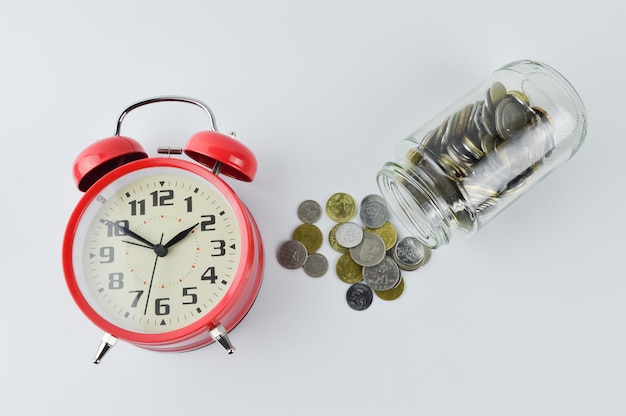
[409, 253]
[316, 265]
[373, 211]
[332, 239]
[511, 116]
[309, 211]
[349, 234]
[370, 251]
[383, 276]
[359, 296]
[341, 207]
[310, 235]
[292, 254]
[387, 232]
[348, 271]
[391, 294]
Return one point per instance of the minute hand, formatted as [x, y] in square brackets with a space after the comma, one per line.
[180, 236]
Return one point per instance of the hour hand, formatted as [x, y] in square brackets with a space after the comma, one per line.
[180, 236]
[130, 233]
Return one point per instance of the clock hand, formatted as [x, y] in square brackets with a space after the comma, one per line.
[130, 233]
[180, 236]
[156, 259]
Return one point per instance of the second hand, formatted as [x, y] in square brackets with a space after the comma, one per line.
[145, 311]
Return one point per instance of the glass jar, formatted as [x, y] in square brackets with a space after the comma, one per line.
[466, 165]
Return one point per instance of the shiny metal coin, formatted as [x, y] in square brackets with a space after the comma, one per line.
[316, 265]
[309, 235]
[370, 251]
[511, 116]
[309, 211]
[347, 270]
[383, 276]
[349, 234]
[409, 253]
[387, 232]
[341, 207]
[332, 240]
[359, 296]
[292, 254]
[391, 294]
[373, 212]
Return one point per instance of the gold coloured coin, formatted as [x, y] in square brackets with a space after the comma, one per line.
[391, 294]
[340, 207]
[332, 239]
[387, 232]
[309, 235]
[347, 270]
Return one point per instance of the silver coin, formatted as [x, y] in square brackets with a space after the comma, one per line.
[409, 253]
[511, 115]
[373, 211]
[316, 265]
[359, 296]
[292, 254]
[370, 251]
[309, 211]
[383, 276]
[349, 234]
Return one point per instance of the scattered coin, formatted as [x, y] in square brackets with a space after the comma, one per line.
[309, 211]
[292, 254]
[382, 276]
[370, 251]
[373, 211]
[341, 207]
[316, 265]
[348, 271]
[359, 296]
[391, 294]
[387, 232]
[410, 254]
[349, 234]
[332, 240]
[310, 235]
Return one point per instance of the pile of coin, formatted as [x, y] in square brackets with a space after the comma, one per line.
[371, 256]
[468, 145]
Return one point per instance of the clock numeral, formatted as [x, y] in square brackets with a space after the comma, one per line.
[138, 294]
[193, 297]
[160, 307]
[137, 206]
[116, 228]
[209, 274]
[108, 253]
[116, 280]
[206, 225]
[220, 247]
[188, 200]
[162, 197]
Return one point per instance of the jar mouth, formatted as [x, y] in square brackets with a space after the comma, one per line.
[411, 204]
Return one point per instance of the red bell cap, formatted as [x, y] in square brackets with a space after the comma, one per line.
[209, 147]
[102, 157]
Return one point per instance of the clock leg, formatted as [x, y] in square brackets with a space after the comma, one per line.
[220, 335]
[107, 342]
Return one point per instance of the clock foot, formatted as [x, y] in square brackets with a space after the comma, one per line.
[220, 335]
[107, 342]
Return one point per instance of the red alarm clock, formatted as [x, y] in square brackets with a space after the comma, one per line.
[160, 251]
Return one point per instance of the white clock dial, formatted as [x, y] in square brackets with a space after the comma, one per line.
[159, 248]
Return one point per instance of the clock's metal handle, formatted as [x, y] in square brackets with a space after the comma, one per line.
[219, 334]
[166, 98]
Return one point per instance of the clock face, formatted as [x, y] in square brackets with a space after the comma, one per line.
[157, 249]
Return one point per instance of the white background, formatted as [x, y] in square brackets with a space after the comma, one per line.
[527, 317]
